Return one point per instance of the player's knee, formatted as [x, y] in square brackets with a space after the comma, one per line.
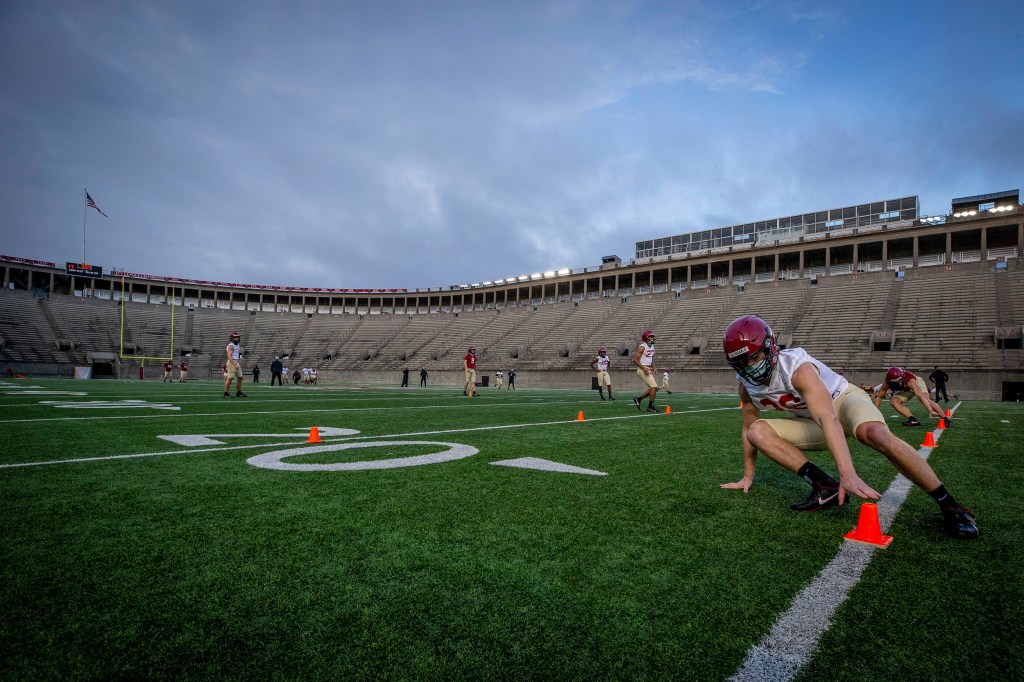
[873, 434]
[758, 432]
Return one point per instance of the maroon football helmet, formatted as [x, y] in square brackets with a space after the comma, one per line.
[745, 339]
[896, 379]
[647, 336]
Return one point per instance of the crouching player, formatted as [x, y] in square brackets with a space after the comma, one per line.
[825, 406]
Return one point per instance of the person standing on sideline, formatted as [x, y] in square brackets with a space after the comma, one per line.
[645, 369]
[256, 374]
[498, 378]
[664, 380]
[405, 378]
[469, 364]
[600, 366]
[511, 379]
[939, 378]
[182, 370]
[826, 409]
[233, 366]
[168, 369]
[275, 371]
[906, 385]
[423, 376]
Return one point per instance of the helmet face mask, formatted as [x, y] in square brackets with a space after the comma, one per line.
[751, 350]
[647, 336]
[602, 351]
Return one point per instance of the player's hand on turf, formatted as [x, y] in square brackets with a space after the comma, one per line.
[853, 485]
[742, 484]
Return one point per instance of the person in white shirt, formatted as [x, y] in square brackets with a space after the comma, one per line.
[645, 369]
[600, 366]
[232, 366]
[664, 381]
[826, 408]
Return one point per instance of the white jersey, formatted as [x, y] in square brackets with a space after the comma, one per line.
[235, 352]
[664, 375]
[602, 363]
[780, 393]
[647, 358]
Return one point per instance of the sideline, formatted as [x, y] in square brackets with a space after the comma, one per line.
[352, 438]
[790, 643]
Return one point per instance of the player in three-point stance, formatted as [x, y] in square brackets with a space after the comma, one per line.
[600, 366]
[905, 385]
[827, 409]
[645, 369]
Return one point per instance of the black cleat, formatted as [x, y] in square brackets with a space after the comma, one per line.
[948, 422]
[610, 398]
[912, 422]
[652, 408]
[226, 394]
[603, 398]
[241, 395]
[959, 522]
[820, 498]
[636, 401]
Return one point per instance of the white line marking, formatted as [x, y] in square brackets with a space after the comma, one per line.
[546, 465]
[209, 438]
[791, 642]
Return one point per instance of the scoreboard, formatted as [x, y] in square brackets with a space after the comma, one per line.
[84, 270]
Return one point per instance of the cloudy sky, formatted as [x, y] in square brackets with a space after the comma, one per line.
[427, 143]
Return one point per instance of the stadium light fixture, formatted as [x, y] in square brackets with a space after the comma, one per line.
[536, 275]
[549, 273]
[563, 271]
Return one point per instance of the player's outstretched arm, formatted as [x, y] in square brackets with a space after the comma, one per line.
[823, 412]
[750, 415]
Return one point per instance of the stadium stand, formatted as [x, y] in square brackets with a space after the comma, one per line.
[915, 306]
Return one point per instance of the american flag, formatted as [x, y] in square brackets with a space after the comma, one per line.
[91, 203]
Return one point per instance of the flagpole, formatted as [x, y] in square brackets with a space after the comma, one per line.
[85, 218]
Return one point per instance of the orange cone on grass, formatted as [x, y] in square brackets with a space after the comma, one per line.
[579, 417]
[942, 424]
[948, 413]
[868, 529]
[668, 409]
[929, 440]
[314, 435]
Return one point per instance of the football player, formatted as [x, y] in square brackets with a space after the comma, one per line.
[600, 365]
[232, 366]
[827, 409]
[645, 369]
[906, 385]
[469, 364]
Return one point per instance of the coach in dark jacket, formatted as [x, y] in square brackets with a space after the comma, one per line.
[275, 371]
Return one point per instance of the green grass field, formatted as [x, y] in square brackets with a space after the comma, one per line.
[190, 562]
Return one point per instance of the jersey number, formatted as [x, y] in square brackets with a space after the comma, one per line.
[786, 402]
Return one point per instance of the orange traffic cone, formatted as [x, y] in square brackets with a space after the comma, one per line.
[314, 435]
[668, 409]
[948, 413]
[942, 423]
[579, 417]
[868, 529]
[929, 440]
